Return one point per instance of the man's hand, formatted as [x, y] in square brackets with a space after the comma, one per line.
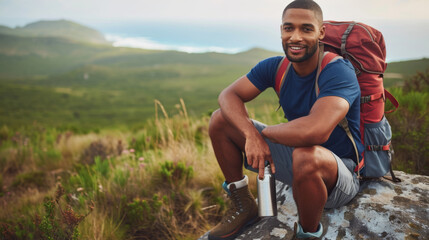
[257, 152]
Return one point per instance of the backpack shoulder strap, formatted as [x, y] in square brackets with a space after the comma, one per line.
[285, 64]
[324, 59]
[344, 124]
[281, 73]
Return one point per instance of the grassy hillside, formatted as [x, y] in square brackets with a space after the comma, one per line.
[60, 82]
[60, 28]
[42, 56]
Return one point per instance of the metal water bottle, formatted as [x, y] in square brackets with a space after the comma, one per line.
[267, 203]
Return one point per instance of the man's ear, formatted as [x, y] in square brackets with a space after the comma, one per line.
[322, 32]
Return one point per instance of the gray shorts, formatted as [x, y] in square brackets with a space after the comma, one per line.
[347, 185]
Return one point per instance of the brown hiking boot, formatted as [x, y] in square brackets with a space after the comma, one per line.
[242, 213]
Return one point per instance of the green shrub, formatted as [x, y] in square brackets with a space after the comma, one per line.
[120, 177]
[176, 174]
[36, 179]
[59, 222]
[1, 185]
[19, 228]
[95, 149]
[102, 167]
[149, 218]
[418, 82]
[142, 213]
[410, 125]
[49, 158]
[4, 134]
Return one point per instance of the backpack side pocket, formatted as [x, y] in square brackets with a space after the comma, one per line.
[378, 149]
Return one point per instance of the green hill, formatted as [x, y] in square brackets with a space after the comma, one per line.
[43, 56]
[60, 28]
[397, 72]
[29, 56]
[61, 82]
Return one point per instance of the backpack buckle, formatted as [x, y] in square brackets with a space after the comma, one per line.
[365, 99]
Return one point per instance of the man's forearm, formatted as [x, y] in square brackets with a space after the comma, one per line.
[313, 129]
[297, 133]
[234, 111]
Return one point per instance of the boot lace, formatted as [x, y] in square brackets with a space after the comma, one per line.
[235, 210]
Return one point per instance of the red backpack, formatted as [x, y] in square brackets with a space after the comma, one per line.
[364, 47]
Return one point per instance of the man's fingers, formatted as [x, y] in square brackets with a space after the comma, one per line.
[261, 173]
[273, 168]
[261, 164]
[255, 165]
[250, 161]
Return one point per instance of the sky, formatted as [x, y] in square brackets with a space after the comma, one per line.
[405, 23]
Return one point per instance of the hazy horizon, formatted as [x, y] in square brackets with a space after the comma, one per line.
[220, 25]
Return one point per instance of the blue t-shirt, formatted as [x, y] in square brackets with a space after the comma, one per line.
[298, 95]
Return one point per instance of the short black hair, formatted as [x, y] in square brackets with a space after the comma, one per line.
[306, 4]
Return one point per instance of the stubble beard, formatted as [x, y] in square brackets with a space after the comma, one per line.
[310, 51]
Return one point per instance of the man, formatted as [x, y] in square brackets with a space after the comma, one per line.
[310, 152]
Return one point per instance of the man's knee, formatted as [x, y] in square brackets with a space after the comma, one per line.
[305, 162]
[217, 121]
[314, 162]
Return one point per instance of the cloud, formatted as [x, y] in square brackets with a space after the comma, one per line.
[387, 10]
[207, 10]
[146, 43]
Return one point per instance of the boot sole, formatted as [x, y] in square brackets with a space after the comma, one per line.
[236, 232]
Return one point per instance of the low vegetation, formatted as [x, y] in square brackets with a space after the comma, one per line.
[156, 182]
[410, 125]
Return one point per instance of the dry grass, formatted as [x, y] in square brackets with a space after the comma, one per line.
[129, 170]
[100, 226]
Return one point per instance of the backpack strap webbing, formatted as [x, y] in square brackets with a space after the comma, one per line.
[281, 73]
[394, 178]
[392, 100]
[324, 59]
[385, 95]
[283, 68]
[345, 125]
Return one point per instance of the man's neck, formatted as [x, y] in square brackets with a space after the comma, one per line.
[308, 66]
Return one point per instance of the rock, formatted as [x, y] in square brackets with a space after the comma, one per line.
[381, 210]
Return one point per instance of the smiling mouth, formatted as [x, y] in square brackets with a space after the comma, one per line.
[296, 49]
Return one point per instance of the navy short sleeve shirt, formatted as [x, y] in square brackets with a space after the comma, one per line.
[298, 95]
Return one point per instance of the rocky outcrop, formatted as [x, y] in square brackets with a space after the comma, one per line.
[381, 210]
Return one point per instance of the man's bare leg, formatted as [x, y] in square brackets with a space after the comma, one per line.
[228, 145]
[315, 173]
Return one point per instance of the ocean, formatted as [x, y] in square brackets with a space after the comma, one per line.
[193, 37]
[404, 40]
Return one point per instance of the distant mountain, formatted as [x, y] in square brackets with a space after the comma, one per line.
[44, 48]
[60, 28]
[27, 56]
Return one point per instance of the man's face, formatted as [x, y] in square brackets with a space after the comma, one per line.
[300, 32]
